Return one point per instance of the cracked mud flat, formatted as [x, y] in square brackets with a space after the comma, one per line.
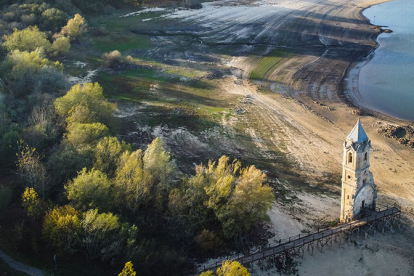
[306, 118]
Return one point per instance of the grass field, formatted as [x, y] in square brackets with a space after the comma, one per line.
[266, 65]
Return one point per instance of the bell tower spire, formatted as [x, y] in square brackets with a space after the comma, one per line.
[359, 191]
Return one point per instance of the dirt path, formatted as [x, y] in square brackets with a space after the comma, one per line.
[29, 270]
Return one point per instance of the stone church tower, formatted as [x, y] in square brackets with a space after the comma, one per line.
[359, 191]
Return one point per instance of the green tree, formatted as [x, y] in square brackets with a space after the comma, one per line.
[79, 133]
[158, 164]
[232, 268]
[67, 160]
[128, 270]
[53, 19]
[100, 232]
[216, 182]
[85, 104]
[74, 28]
[188, 203]
[107, 154]
[234, 196]
[132, 183]
[21, 70]
[31, 203]
[62, 227]
[248, 204]
[92, 189]
[220, 181]
[60, 46]
[28, 40]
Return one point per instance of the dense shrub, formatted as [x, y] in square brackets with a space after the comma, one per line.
[88, 134]
[74, 28]
[21, 70]
[60, 46]
[90, 189]
[53, 19]
[27, 40]
[62, 228]
[85, 104]
[115, 59]
[66, 161]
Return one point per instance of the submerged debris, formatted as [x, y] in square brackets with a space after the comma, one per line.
[403, 134]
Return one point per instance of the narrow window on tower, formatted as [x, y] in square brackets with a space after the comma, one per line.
[366, 156]
[350, 158]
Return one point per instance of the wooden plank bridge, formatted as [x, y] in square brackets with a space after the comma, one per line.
[380, 219]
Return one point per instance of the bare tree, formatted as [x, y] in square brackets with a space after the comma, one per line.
[31, 169]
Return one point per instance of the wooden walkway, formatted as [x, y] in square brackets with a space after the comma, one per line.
[370, 223]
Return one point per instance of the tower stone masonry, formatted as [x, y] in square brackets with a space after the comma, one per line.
[359, 192]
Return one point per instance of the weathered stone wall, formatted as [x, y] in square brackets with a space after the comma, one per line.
[366, 193]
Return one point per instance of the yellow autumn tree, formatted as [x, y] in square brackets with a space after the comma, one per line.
[132, 183]
[107, 153]
[232, 268]
[207, 273]
[28, 40]
[158, 163]
[31, 202]
[75, 27]
[238, 196]
[128, 270]
[62, 227]
[85, 104]
[228, 268]
[90, 189]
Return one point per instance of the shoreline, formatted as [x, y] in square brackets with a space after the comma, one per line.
[350, 88]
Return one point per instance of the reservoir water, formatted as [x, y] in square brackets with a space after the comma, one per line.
[386, 82]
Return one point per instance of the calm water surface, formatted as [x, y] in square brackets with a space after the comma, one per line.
[386, 82]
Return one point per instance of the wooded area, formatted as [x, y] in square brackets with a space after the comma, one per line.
[76, 189]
